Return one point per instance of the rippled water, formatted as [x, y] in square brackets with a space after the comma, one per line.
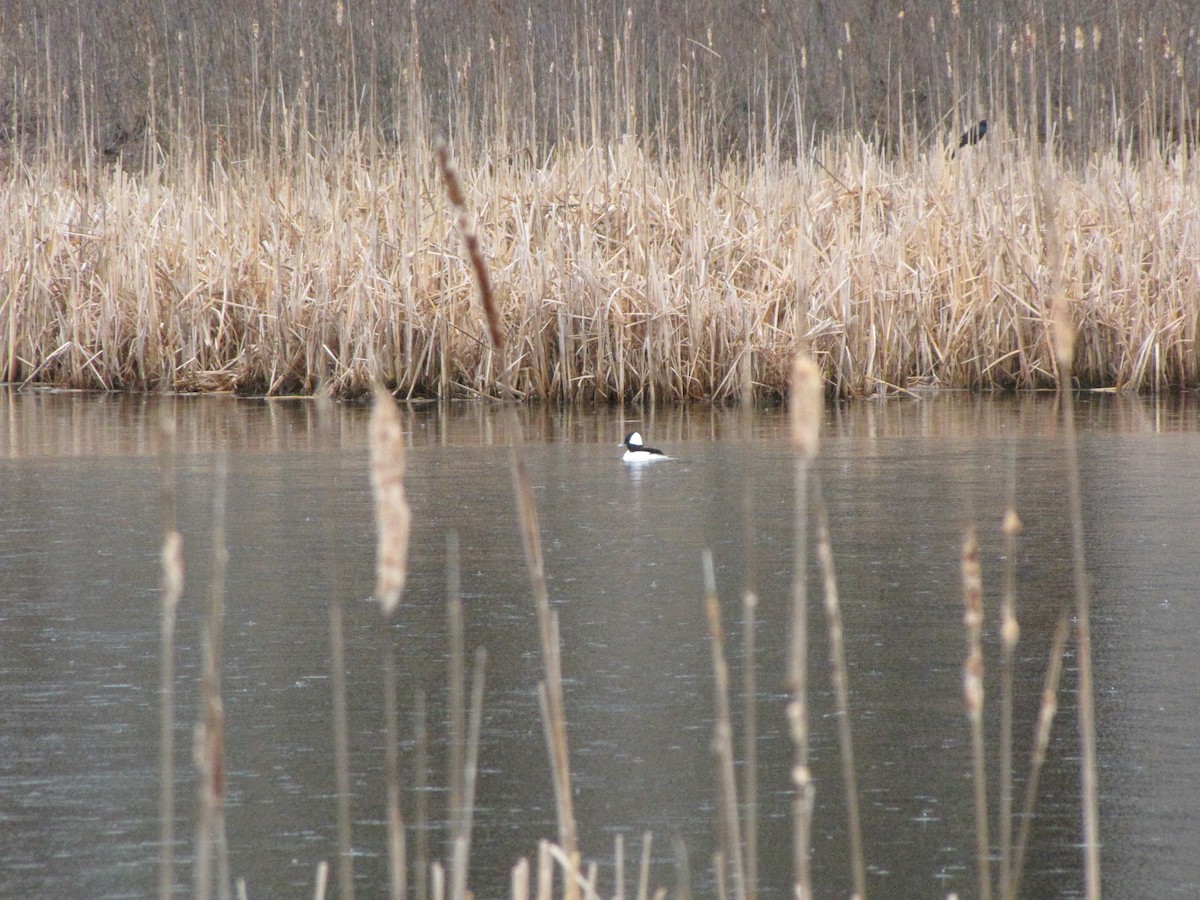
[80, 528]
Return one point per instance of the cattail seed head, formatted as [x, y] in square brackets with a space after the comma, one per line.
[807, 405]
[393, 518]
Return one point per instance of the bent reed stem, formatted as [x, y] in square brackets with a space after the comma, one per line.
[841, 691]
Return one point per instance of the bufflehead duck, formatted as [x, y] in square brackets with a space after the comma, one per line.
[636, 451]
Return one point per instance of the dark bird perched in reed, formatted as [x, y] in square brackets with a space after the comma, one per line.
[972, 135]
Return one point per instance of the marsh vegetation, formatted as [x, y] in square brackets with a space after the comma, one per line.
[670, 197]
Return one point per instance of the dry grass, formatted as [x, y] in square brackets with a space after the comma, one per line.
[660, 222]
[620, 276]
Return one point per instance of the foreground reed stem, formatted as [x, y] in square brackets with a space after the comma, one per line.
[1041, 741]
[341, 749]
[210, 730]
[396, 846]
[749, 689]
[731, 837]
[1009, 634]
[171, 590]
[1063, 337]
[806, 407]
[841, 690]
[972, 589]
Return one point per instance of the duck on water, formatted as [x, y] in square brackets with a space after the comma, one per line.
[636, 451]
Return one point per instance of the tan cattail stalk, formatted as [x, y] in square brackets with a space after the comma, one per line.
[1009, 634]
[393, 517]
[806, 409]
[464, 817]
[519, 887]
[455, 688]
[749, 694]
[806, 406]
[619, 866]
[1041, 742]
[341, 749]
[483, 282]
[730, 830]
[643, 892]
[750, 741]
[545, 871]
[421, 783]
[396, 845]
[683, 869]
[321, 885]
[841, 690]
[551, 690]
[1064, 349]
[171, 590]
[1089, 786]
[972, 587]
[209, 742]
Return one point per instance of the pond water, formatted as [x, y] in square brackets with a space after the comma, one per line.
[80, 530]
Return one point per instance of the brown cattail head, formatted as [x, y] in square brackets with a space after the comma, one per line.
[393, 518]
[807, 404]
[483, 281]
[972, 581]
[450, 178]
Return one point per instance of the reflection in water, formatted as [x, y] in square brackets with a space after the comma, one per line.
[78, 612]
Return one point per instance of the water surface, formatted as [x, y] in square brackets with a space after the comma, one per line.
[80, 528]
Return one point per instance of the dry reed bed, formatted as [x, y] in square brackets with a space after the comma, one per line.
[619, 275]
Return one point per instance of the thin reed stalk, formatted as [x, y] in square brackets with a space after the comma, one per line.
[683, 869]
[643, 891]
[210, 730]
[1009, 634]
[619, 866]
[421, 782]
[464, 816]
[727, 817]
[841, 690]
[341, 749]
[972, 588]
[750, 741]
[1064, 338]
[171, 589]
[519, 884]
[1041, 741]
[806, 408]
[396, 843]
[337, 636]
[1083, 642]
[456, 693]
[321, 883]
[749, 695]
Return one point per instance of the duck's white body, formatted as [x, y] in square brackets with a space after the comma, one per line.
[636, 451]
